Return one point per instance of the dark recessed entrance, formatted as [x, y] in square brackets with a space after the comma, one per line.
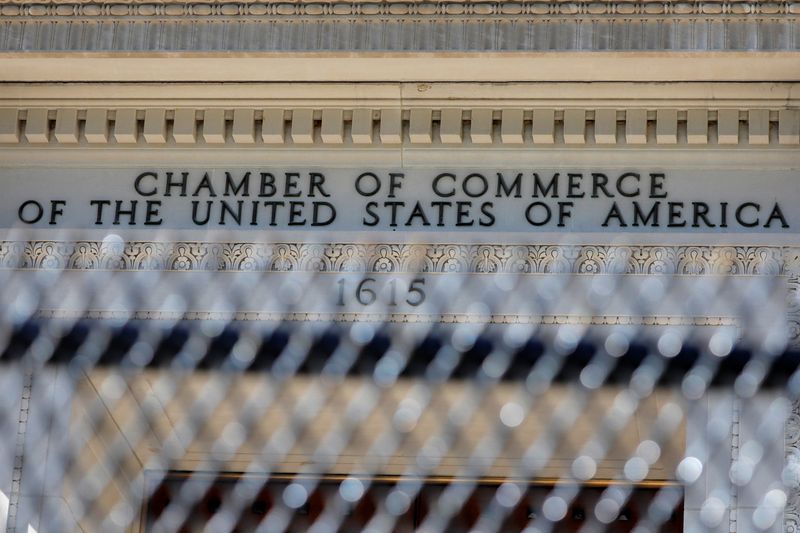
[581, 511]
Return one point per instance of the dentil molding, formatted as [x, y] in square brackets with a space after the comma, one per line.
[244, 127]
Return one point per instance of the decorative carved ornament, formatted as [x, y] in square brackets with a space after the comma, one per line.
[352, 257]
[402, 26]
[396, 8]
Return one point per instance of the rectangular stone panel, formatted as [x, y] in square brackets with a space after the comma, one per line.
[605, 126]
[758, 126]
[636, 126]
[544, 126]
[126, 127]
[419, 131]
[728, 126]
[481, 126]
[512, 126]
[789, 126]
[724, 191]
[184, 126]
[244, 126]
[155, 126]
[391, 130]
[303, 126]
[273, 127]
[362, 126]
[451, 126]
[667, 126]
[575, 126]
[332, 130]
[214, 129]
[37, 126]
[96, 128]
[9, 125]
[66, 131]
[697, 126]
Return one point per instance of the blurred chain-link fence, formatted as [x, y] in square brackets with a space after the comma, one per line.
[193, 387]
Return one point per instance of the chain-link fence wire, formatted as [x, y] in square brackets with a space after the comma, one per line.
[156, 400]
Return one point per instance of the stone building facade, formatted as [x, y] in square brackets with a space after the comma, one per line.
[703, 89]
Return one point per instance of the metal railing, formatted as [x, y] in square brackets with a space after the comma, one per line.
[157, 400]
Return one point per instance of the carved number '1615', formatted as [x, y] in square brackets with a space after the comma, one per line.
[366, 293]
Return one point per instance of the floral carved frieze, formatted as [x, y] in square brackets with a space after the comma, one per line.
[412, 258]
[357, 257]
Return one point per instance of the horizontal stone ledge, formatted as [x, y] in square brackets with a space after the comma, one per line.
[381, 95]
[398, 67]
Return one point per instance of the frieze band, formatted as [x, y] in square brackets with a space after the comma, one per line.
[463, 258]
[358, 257]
